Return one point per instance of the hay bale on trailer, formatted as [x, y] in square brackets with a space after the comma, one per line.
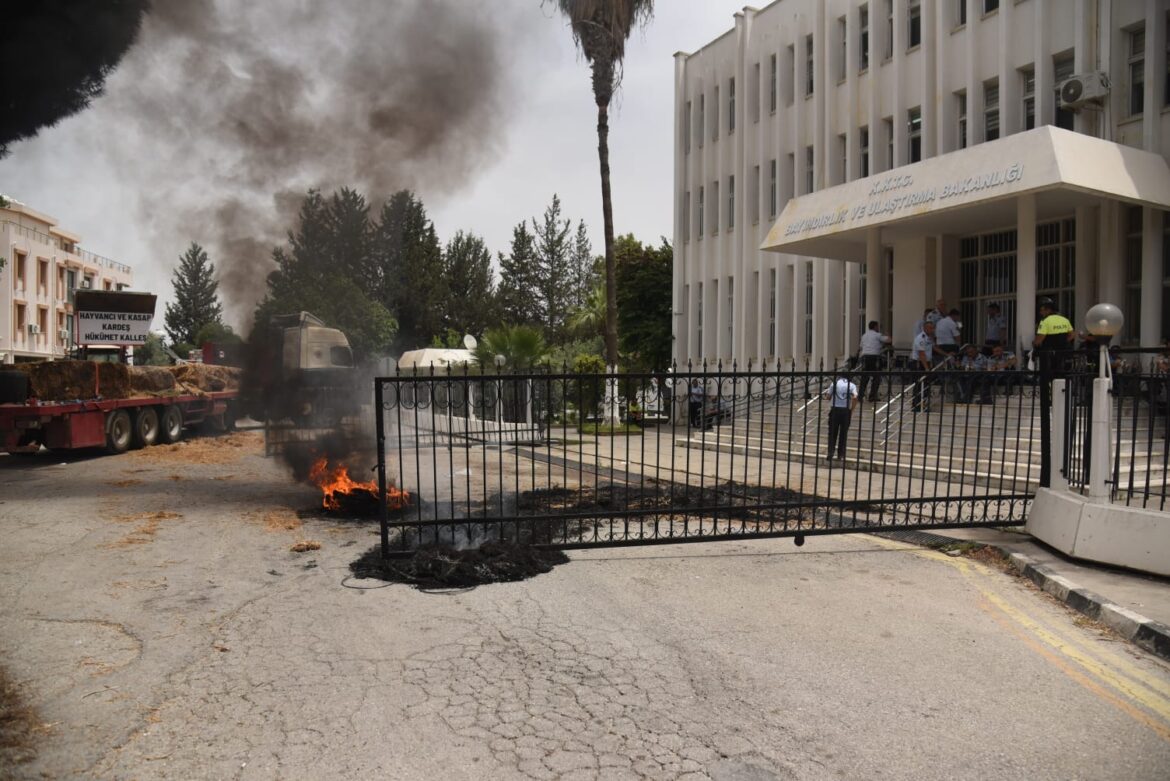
[68, 380]
[151, 379]
[207, 377]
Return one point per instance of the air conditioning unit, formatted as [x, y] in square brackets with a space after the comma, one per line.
[63, 334]
[86, 284]
[34, 329]
[1083, 88]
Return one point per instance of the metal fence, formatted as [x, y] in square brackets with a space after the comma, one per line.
[698, 453]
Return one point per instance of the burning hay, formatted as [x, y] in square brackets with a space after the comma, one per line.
[341, 493]
[442, 567]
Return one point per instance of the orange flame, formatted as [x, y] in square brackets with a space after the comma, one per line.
[335, 480]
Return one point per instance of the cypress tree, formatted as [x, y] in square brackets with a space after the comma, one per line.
[196, 296]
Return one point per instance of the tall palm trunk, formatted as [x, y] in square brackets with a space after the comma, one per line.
[611, 343]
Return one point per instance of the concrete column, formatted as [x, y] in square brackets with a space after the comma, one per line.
[1010, 108]
[852, 63]
[975, 129]
[1155, 76]
[1151, 326]
[830, 319]
[898, 110]
[1026, 269]
[877, 142]
[682, 310]
[875, 278]
[1111, 254]
[945, 115]
[1083, 57]
[853, 305]
[799, 269]
[820, 313]
[785, 305]
[932, 78]
[1087, 250]
[1042, 57]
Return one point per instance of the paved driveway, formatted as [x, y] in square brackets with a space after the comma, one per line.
[163, 629]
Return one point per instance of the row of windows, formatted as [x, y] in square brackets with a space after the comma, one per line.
[1062, 65]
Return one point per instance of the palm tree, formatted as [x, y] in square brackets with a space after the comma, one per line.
[589, 321]
[521, 346]
[600, 29]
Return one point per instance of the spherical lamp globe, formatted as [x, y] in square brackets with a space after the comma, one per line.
[1104, 320]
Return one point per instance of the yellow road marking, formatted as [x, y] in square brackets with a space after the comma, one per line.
[1147, 690]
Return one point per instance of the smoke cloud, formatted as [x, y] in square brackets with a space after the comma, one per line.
[227, 111]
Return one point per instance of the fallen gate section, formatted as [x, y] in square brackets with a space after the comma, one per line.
[698, 454]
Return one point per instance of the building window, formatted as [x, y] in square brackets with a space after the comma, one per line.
[809, 296]
[699, 322]
[730, 202]
[701, 120]
[42, 276]
[18, 280]
[687, 128]
[730, 317]
[991, 110]
[1132, 330]
[843, 155]
[731, 105]
[715, 208]
[715, 117]
[754, 94]
[862, 292]
[699, 220]
[987, 275]
[888, 258]
[772, 193]
[686, 216]
[1137, 71]
[1166, 86]
[863, 36]
[961, 102]
[960, 12]
[842, 46]
[790, 81]
[990, 5]
[863, 141]
[809, 169]
[1063, 71]
[1028, 76]
[889, 52]
[21, 322]
[772, 313]
[1056, 263]
[790, 179]
[774, 78]
[914, 129]
[914, 12]
[809, 71]
[888, 129]
[754, 195]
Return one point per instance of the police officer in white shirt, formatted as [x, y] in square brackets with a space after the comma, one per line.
[946, 334]
[923, 357]
[843, 398]
[996, 327]
[873, 341]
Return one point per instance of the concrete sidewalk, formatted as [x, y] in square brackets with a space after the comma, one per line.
[1135, 605]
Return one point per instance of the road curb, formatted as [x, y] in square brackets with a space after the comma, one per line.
[1151, 635]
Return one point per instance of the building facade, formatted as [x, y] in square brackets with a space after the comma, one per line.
[44, 265]
[840, 161]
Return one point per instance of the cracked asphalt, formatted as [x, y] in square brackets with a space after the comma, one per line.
[157, 620]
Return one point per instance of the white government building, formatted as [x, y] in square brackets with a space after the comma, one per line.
[839, 161]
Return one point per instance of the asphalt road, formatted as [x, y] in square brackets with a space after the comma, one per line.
[161, 627]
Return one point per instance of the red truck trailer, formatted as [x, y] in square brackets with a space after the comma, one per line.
[115, 424]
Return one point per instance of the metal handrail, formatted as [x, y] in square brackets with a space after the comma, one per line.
[884, 423]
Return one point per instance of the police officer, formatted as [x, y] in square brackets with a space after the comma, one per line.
[1053, 343]
[1055, 333]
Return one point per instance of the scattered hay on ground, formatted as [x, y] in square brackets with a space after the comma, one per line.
[443, 567]
[125, 483]
[145, 531]
[303, 546]
[223, 449]
[19, 727]
[278, 520]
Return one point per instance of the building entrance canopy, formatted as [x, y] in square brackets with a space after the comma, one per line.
[969, 191]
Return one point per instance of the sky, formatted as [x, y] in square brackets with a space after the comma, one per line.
[484, 108]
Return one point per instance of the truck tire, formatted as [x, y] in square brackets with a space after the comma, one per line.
[146, 427]
[119, 431]
[171, 428]
[13, 387]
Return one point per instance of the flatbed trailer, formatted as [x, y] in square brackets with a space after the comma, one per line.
[114, 424]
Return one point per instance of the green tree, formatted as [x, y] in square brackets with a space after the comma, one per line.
[645, 278]
[311, 275]
[196, 296]
[409, 266]
[522, 347]
[584, 270]
[519, 280]
[600, 29]
[151, 352]
[75, 45]
[470, 306]
[218, 333]
[589, 319]
[554, 270]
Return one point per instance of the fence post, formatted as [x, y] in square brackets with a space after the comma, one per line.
[1057, 454]
[1099, 470]
[380, 425]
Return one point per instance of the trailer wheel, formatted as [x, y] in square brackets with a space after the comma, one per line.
[145, 427]
[13, 387]
[171, 430]
[118, 431]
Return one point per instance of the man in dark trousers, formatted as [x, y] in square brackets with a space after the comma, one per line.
[1054, 339]
[873, 342]
[842, 399]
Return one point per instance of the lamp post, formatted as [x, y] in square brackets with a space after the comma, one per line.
[1102, 320]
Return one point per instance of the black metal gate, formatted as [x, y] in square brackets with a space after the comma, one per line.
[702, 453]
